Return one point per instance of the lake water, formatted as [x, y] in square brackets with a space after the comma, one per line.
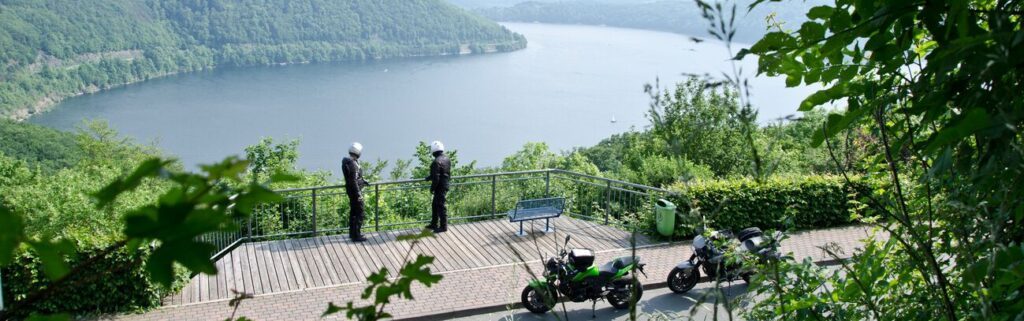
[563, 89]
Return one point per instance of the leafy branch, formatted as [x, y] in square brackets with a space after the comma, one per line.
[383, 288]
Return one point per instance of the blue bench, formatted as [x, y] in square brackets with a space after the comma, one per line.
[536, 209]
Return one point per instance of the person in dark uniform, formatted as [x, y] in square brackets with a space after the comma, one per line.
[440, 173]
[354, 183]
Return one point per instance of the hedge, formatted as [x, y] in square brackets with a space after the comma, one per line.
[115, 283]
[800, 202]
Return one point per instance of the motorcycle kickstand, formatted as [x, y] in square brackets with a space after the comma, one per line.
[593, 309]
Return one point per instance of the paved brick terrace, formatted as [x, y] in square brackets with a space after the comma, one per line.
[477, 288]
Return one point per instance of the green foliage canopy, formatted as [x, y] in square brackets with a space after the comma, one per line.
[938, 84]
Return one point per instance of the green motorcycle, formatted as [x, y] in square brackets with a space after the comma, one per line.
[577, 279]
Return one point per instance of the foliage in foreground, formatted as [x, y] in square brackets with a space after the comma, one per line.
[938, 83]
[166, 229]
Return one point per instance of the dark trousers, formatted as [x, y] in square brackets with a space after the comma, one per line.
[439, 211]
[356, 214]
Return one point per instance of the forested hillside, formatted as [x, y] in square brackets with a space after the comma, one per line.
[53, 49]
[679, 16]
[46, 148]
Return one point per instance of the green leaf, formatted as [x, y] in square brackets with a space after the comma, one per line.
[148, 168]
[192, 255]
[54, 256]
[12, 232]
[823, 96]
[971, 122]
[820, 12]
[793, 80]
[811, 32]
[141, 223]
[229, 168]
[418, 271]
[836, 123]
[333, 309]
[773, 41]
[52, 317]
[741, 54]
[257, 194]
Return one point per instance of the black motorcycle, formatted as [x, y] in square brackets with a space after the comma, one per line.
[578, 279]
[713, 261]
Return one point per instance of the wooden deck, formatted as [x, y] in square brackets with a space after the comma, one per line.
[296, 264]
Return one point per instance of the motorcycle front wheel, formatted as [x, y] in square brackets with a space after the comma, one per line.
[681, 281]
[622, 299]
[534, 299]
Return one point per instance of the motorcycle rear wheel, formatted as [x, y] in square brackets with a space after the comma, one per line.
[622, 300]
[533, 299]
[679, 281]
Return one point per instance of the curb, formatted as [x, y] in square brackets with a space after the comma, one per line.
[517, 305]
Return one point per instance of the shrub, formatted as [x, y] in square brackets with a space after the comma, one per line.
[801, 202]
[122, 284]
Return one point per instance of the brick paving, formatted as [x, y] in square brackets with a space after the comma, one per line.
[472, 289]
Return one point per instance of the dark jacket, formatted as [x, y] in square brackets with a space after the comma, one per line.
[440, 173]
[353, 176]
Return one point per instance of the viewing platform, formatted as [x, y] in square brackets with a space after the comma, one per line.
[277, 266]
[301, 242]
[295, 258]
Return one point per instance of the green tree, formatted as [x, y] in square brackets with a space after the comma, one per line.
[938, 84]
[423, 158]
[695, 120]
[267, 158]
[532, 156]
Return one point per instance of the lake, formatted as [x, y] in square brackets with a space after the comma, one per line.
[563, 89]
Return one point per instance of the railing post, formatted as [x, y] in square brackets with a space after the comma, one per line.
[314, 212]
[249, 237]
[607, 201]
[376, 208]
[284, 218]
[547, 184]
[494, 190]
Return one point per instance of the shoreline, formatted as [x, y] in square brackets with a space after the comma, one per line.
[47, 102]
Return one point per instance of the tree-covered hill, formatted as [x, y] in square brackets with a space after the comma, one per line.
[52, 49]
[679, 16]
[47, 148]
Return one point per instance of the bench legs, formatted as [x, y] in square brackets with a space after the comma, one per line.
[547, 226]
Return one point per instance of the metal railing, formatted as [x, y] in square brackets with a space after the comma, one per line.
[400, 204]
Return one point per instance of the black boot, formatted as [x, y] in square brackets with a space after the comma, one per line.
[358, 238]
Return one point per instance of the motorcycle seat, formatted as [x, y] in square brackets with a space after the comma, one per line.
[617, 264]
[608, 270]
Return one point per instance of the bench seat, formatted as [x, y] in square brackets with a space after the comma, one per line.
[536, 209]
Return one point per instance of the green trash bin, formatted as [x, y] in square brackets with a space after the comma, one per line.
[665, 216]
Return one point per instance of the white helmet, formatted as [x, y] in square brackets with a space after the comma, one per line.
[356, 149]
[436, 146]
